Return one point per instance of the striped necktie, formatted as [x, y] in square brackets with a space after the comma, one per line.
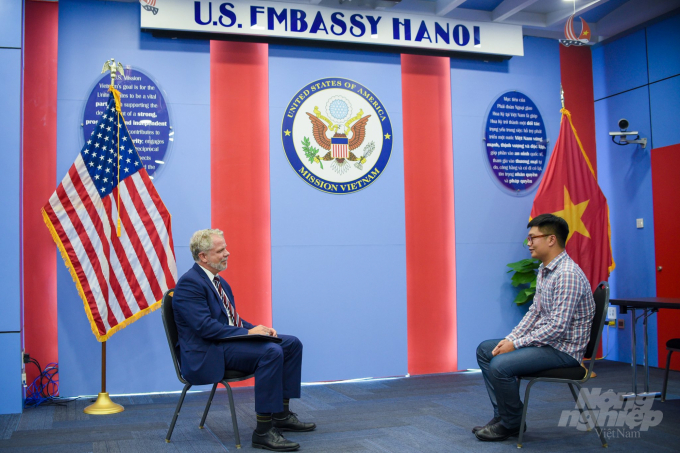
[234, 318]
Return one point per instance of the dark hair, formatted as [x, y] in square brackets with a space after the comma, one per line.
[551, 224]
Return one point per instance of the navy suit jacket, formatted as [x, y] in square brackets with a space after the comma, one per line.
[202, 319]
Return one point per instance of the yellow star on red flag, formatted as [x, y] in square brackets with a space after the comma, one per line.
[573, 214]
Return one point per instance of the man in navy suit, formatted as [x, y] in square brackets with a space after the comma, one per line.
[205, 312]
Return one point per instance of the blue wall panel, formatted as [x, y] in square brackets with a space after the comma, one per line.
[10, 151]
[624, 174]
[10, 23]
[620, 65]
[663, 47]
[10, 113]
[138, 356]
[490, 223]
[625, 171]
[354, 324]
[338, 262]
[664, 98]
[10, 373]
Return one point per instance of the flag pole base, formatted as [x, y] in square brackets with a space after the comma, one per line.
[103, 406]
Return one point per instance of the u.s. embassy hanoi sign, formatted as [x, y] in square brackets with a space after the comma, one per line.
[312, 22]
[337, 135]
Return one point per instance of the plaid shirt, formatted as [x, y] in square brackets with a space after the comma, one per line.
[563, 309]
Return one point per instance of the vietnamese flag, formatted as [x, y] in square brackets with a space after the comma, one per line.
[569, 190]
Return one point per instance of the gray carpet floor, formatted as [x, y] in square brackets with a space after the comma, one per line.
[418, 414]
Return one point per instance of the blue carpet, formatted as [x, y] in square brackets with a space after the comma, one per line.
[417, 414]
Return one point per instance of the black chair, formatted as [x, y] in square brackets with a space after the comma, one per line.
[575, 376]
[672, 345]
[229, 375]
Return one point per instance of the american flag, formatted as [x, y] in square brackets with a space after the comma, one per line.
[120, 278]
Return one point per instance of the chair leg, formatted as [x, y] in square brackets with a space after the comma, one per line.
[578, 405]
[665, 379]
[187, 386]
[207, 406]
[233, 414]
[598, 430]
[524, 414]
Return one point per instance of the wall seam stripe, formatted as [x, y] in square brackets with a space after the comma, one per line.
[665, 78]
[649, 95]
[638, 87]
[621, 92]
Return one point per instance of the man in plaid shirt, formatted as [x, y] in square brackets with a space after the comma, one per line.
[553, 334]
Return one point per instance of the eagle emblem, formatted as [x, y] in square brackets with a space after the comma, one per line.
[337, 135]
[348, 133]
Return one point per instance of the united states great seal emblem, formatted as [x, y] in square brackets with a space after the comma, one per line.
[337, 135]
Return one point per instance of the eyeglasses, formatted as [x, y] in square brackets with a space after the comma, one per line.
[530, 238]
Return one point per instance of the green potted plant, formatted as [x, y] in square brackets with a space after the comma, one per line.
[524, 277]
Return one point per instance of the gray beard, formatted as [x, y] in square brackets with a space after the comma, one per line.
[217, 267]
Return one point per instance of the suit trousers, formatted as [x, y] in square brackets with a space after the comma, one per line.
[500, 375]
[277, 368]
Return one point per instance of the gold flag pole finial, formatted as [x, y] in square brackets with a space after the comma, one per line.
[114, 68]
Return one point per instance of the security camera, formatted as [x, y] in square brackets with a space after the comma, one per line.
[623, 126]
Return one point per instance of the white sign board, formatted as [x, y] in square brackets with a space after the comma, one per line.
[303, 21]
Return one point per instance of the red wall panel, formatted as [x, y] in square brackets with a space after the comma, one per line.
[666, 198]
[39, 181]
[239, 131]
[576, 67]
[430, 231]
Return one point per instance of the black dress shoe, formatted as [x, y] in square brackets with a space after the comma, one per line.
[274, 441]
[491, 422]
[291, 423]
[497, 432]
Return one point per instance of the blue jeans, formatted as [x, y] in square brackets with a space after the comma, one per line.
[500, 375]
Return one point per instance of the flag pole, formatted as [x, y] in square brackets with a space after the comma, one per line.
[562, 100]
[103, 405]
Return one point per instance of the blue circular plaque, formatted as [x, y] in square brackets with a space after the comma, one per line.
[337, 135]
[515, 142]
[145, 112]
